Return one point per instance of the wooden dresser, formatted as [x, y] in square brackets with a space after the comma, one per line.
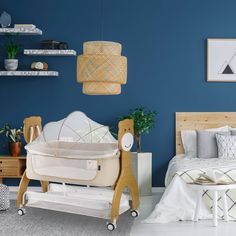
[11, 167]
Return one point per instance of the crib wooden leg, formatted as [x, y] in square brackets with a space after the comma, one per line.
[22, 189]
[44, 185]
[134, 194]
[116, 201]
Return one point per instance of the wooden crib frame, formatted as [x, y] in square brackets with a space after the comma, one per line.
[125, 179]
[30, 122]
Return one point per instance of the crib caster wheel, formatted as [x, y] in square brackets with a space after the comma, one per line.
[111, 226]
[134, 213]
[21, 211]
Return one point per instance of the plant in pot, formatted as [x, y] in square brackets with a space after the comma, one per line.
[14, 137]
[144, 120]
[12, 50]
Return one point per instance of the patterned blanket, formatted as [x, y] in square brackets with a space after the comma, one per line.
[189, 170]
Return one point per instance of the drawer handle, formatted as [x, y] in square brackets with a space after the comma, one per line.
[0, 170]
[0, 162]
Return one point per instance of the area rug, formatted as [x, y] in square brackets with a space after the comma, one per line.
[39, 222]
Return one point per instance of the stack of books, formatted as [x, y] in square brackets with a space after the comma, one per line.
[25, 26]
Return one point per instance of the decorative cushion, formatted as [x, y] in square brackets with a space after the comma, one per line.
[226, 146]
[4, 197]
[233, 131]
[189, 140]
[206, 143]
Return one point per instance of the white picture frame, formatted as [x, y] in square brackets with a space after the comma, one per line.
[221, 60]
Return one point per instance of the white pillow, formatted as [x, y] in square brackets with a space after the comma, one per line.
[189, 140]
[226, 146]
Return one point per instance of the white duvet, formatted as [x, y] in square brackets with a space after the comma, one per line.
[177, 203]
[179, 200]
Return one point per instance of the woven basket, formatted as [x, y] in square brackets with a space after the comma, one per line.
[4, 197]
[102, 47]
[101, 69]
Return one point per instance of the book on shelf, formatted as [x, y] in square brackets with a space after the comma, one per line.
[25, 26]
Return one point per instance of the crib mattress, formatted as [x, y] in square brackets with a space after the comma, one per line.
[94, 202]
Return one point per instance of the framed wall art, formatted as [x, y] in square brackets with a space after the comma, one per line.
[221, 60]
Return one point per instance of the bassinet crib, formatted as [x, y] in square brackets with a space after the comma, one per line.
[77, 150]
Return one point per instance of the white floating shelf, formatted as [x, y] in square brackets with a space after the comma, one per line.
[21, 31]
[49, 52]
[29, 73]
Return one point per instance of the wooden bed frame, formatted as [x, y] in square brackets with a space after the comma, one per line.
[200, 120]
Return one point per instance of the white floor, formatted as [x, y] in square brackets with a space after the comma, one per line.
[201, 228]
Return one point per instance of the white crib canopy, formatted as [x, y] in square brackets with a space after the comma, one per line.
[75, 136]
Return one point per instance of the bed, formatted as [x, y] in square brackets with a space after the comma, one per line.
[190, 168]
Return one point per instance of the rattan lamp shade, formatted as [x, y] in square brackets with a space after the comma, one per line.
[101, 68]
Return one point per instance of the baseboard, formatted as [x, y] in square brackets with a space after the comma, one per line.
[158, 189]
[14, 190]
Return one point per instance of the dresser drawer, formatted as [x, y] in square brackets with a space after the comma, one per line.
[8, 171]
[9, 163]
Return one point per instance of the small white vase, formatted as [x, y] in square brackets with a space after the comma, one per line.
[11, 64]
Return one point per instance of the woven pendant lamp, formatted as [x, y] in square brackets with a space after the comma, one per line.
[101, 68]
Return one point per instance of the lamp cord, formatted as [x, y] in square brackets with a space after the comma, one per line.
[102, 19]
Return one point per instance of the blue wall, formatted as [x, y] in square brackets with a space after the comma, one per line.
[165, 42]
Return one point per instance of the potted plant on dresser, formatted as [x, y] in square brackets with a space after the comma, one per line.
[14, 137]
[144, 120]
[12, 50]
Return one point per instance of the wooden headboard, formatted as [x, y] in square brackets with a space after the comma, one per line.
[200, 120]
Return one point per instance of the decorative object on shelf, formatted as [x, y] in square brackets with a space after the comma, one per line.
[39, 66]
[144, 120]
[221, 60]
[5, 19]
[49, 52]
[4, 197]
[63, 46]
[14, 137]
[12, 49]
[11, 64]
[29, 73]
[53, 44]
[101, 68]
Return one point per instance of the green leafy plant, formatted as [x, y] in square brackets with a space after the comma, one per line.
[12, 49]
[13, 134]
[144, 120]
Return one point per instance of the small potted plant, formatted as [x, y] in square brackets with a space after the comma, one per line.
[144, 120]
[14, 137]
[12, 50]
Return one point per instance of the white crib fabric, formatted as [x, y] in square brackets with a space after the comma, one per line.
[95, 202]
[74, 150]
